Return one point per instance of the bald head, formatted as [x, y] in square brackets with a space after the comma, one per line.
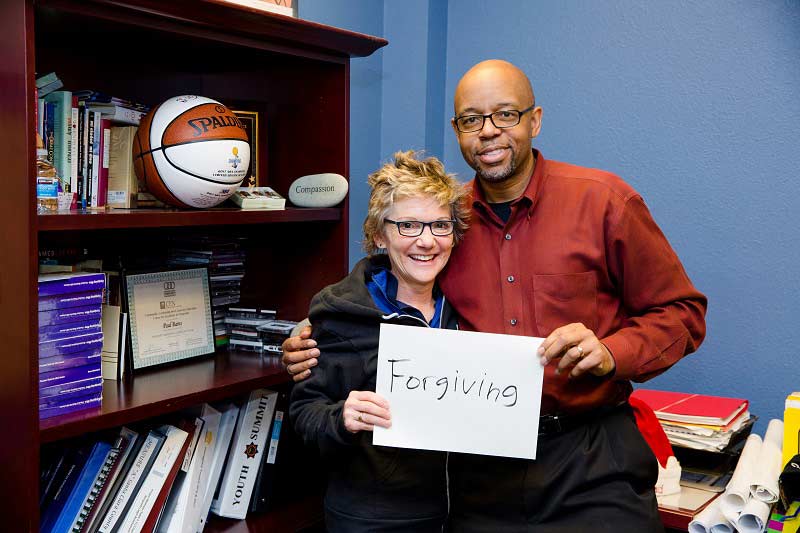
[490, 74]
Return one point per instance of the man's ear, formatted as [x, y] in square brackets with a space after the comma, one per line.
[453, 124]
[536, 121]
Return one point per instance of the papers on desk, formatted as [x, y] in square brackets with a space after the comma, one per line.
[697, 421]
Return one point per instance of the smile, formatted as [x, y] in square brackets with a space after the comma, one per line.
[492, 155]
[423, 258]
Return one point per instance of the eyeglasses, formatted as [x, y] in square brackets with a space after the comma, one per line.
[508, 118]
[414, 228]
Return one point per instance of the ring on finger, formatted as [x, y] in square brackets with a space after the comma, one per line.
[581, 355]
[360, 418]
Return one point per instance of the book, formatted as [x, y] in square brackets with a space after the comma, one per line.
[79, 343]
[60, 331]
[127, 442]
[68, 315]
[49, 88]
[46, 79]
[69, 360]
[75, 299]
[236, 487]
[102, 167]
[100, 484]
[86, 479]
[74, 143]
[132, 480]
[118, 113]
[66, 478]
[227, 424]
[62, 135]
[258, 198]
[57, 284]
[71, 389]
[139, 517]
[68, 375]
[266, 485]
[692, 408]
[122, 182]
[97, 141]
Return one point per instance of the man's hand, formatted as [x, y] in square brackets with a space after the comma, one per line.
[578, 347]
[363, 410]
[300, 354]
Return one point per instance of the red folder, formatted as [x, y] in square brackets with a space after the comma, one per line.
[692, 408]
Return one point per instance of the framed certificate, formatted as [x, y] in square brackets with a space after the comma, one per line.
[170, 316]
[252, 125]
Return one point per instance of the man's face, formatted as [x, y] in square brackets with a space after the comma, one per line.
[497, 154]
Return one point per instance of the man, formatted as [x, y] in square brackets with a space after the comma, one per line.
[571, 254]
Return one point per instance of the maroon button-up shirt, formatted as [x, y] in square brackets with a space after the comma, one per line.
[580, 246]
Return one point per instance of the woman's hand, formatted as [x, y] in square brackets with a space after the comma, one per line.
[363, 410]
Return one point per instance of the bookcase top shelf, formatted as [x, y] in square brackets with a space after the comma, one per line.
[224, 21]
[154, 218]
[167, 389]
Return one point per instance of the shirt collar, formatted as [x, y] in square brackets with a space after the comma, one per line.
[528, 196]
[382, 285]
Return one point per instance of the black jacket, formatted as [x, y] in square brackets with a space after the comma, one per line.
[369, 487]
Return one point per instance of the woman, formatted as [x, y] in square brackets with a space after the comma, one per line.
[417, 213]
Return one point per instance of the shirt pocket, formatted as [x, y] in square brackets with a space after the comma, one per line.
[561, 299]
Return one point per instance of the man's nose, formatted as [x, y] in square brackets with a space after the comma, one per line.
[488, 129]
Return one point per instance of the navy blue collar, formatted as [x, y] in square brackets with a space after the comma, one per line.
[382, 286]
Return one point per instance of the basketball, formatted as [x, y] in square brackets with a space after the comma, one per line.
[191, 151]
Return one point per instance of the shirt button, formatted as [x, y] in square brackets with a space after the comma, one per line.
[510, 279]
[508, 236]
[513, 321]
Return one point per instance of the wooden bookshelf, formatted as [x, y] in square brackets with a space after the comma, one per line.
[155, 392]
[296, 73]
[158, 218]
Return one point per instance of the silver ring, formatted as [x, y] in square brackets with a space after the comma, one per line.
[580, 351]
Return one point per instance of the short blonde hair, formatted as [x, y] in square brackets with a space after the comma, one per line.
[409, 176]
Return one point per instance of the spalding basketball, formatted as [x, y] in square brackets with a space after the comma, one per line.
[191, 151]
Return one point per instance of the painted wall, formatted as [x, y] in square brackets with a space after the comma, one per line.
[695, 104]
[366, 74]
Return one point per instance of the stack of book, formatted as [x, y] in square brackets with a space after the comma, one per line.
[70, 342]
[698, 421]
[225, 260]
[243, 323]
[168, 478]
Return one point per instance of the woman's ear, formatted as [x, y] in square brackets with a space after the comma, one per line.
[379, 242]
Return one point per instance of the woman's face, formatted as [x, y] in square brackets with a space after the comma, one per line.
[416, 261]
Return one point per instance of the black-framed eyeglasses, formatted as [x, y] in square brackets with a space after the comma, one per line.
[414, 228]
[507, 118]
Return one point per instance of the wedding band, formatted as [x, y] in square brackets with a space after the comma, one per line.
[580, 351]
[360, 419]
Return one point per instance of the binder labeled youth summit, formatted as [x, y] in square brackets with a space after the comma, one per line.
[692, 408]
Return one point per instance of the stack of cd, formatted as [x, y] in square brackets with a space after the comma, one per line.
[225, 260]
[273, 333]
[243, 324]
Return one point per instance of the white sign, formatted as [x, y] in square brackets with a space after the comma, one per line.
[460, 391]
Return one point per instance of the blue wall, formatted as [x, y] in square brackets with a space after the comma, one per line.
[695, 104]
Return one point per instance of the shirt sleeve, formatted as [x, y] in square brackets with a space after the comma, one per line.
[666, 313]
[317, 402]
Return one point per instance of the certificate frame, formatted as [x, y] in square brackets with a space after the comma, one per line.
[252, 124]
[170, 316]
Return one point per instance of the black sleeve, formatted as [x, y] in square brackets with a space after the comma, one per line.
[317, 402]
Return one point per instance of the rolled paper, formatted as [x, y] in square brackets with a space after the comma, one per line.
[764, 483]
[754, 516]
[710, 520]
[738, 490]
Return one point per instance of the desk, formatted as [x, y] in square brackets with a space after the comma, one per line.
[677, 510]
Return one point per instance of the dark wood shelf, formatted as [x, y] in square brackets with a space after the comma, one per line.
[168, 217]
[202, 18]
[166, 389]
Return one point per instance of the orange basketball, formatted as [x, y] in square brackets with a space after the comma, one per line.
[191, 151]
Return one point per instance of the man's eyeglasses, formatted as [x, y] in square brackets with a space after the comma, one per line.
[508, 118]
[414, 228]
